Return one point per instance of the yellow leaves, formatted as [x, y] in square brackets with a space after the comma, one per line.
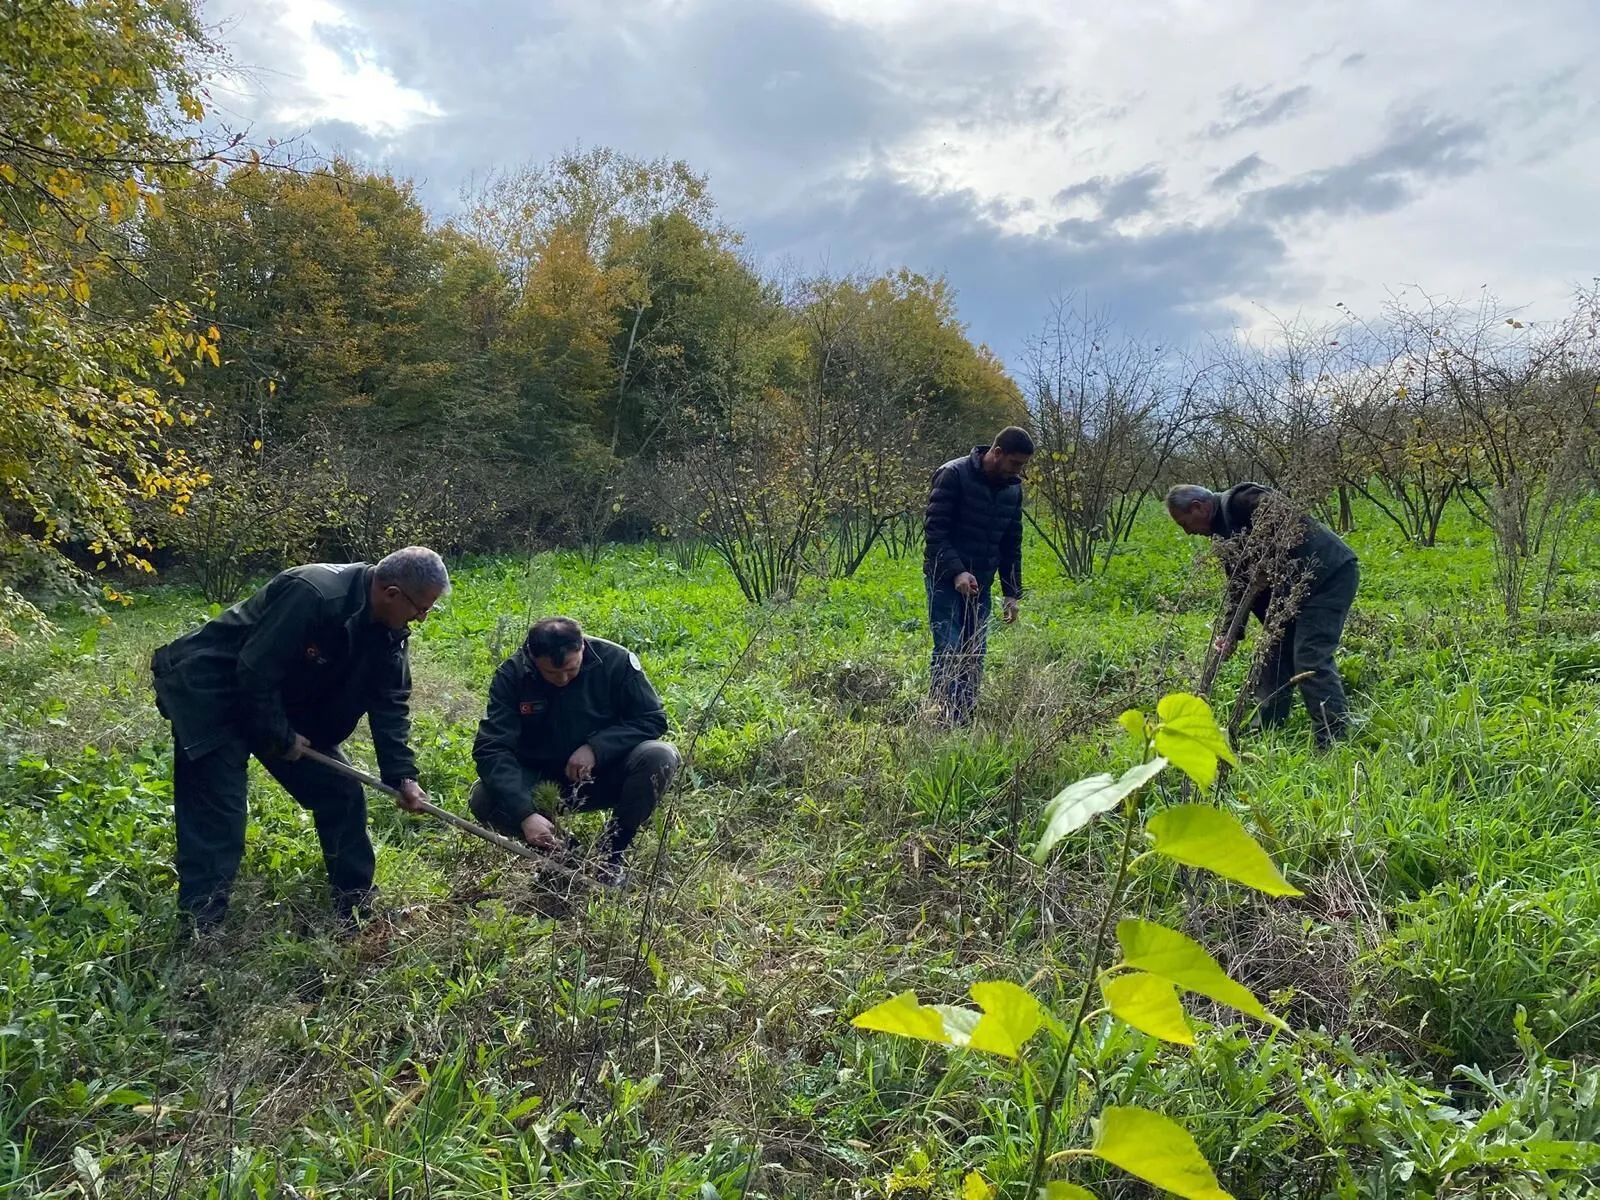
[1157, 1150]
[1190, 738]
[1198, 835]
[256, 445]
[8, 173]
[1010, 1016]
[191, 107]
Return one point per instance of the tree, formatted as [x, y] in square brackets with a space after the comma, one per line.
[1108, 411]
[88, 142]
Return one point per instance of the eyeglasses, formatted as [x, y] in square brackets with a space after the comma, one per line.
[421, 612]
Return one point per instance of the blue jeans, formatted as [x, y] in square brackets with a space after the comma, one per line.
[960, 628]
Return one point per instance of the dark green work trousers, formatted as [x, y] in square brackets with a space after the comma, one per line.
[209, 805]
[1307, 647]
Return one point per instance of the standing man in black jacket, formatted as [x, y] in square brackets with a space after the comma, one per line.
[579, 712]
[294, 666]
[973, 529]
[1307, 643]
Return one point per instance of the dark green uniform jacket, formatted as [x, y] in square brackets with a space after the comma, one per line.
[1321, 549]
[532, 726]
[302, 655]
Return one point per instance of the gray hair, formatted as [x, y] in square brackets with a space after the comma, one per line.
[415, 570]
[1185, 495]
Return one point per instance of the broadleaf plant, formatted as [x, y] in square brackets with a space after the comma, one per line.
[1145, 988]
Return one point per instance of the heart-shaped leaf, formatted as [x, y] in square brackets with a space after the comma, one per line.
[1189, 737]
[1157, 1150]
[1147, 946]
[1199, 835]
[1150, 1004]
[1079, 803]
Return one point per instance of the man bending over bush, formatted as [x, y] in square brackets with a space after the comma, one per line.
[294, 666]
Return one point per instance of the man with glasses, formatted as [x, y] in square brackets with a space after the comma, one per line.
[294, 666]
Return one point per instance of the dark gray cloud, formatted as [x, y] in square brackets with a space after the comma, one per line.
[1420, 147]
[1256, 109]
[1170, 282]
[1245, 169]
[1122, 196]
[758, 95]
[812, 129]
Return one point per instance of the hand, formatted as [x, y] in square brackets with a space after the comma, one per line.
[581, 765]
[411, 797]
[967, 584]
[1224, 648]
[300, 745]
[1008, 609]
[538, 831]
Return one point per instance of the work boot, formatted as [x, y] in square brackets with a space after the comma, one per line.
[610, 872]
[201, 925]
[362, 908]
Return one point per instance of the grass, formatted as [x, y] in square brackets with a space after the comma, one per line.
[825, 850]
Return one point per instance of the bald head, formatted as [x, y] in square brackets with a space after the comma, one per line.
[1193, 507]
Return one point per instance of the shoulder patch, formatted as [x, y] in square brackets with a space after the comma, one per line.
[634, 659]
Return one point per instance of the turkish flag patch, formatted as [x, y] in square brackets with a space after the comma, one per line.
[526, 708]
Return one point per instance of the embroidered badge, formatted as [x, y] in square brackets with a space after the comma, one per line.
[526, 708]
[634, 659]
[314, 655]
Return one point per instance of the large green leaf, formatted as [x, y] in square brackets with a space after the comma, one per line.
[903, 1016]
[1147, 946]
[1202, 836]
[1060, 1189]
[1150, 1004]
[1010, 1017]
[1157, 1150]
[1189, 737]
[1079, 803]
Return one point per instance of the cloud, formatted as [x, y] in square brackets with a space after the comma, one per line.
[1419, 148]
[1126, 196]
[1256, 110]
[1171, 283]
[1245, 169]
[1018, 146]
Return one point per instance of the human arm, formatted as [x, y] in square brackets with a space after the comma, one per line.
[639, 714]
[389, 719]
[282, 617]
[944, 498]
[1011, 561]
[494, 749]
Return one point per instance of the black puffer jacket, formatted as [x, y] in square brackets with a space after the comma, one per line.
[974, 524]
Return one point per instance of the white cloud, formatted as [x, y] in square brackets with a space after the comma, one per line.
[323, 69]
[1373, 143]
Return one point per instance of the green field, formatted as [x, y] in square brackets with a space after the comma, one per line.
[826, 849]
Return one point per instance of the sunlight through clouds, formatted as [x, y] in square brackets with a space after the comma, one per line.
[326, 69]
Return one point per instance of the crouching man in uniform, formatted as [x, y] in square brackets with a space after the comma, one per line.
[295, 665]
[579, 712]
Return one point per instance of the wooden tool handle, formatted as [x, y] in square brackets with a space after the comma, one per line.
[444, 814]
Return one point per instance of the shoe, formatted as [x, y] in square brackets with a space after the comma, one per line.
[203, 924]
[366, 908]
[611, 873]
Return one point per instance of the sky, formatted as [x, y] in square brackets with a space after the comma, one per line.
[1190, 167]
